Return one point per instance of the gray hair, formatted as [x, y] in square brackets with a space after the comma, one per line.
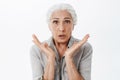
[62, 6]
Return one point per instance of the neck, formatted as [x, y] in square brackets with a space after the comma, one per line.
[61, 47]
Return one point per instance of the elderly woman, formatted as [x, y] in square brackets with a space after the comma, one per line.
[62, 57]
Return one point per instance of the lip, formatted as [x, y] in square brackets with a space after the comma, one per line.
[62, 36]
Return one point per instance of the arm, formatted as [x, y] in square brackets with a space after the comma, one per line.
[37, 68]
[49, 68]
[73, 73]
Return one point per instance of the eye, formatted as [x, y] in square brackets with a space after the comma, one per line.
[55, 22]
[67, 21]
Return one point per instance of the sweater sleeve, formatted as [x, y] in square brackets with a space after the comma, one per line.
[36, 63]
[85, 63]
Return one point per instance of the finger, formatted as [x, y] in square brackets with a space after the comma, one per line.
[75, 45]
[35, 40]
[84, 40]
[86, 37]
[45, 44]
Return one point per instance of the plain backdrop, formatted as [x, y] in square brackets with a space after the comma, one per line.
[19, 19]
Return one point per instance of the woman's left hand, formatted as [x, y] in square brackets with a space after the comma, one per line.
[71, 51]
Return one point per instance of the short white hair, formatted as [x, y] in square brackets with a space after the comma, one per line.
[62, 6]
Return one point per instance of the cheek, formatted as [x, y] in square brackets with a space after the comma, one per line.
[53, 31]
[70, 29]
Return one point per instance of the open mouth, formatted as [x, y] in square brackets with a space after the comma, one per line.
[61, 36]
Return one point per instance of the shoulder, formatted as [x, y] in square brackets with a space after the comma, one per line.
[87, 45]
[87, 50]
[34, 50]
[34, 47]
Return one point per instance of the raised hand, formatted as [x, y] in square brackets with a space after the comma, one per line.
[44, 47]
[71, 51]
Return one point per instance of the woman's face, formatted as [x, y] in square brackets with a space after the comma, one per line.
[61, 26]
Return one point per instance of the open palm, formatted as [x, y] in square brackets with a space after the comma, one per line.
[71, 51]
[44, 47]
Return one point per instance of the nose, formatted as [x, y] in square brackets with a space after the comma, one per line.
[61, 27]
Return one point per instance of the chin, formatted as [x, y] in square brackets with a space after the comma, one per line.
[62, 41]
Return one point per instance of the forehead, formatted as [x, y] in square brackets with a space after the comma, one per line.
[61, 14]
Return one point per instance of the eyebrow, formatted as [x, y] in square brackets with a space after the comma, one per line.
[67, 18]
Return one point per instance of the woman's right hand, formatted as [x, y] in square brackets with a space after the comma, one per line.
[44, 47]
